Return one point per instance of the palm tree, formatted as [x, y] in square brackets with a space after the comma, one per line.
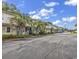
[13, 8]
[29, 21]
[20, 21]
[40, 26]
[5, 6]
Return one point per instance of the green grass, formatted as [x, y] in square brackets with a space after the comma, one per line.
[73, 33]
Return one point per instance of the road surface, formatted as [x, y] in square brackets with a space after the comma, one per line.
[55, 46]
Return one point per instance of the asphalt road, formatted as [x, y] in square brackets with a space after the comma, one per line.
[57, 46]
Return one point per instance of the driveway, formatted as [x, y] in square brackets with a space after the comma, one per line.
[55, 46]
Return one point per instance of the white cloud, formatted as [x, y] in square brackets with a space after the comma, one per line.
[71, 2]
[69, 19]
[73, 18]
[45, 12]
[59, 23]
[35, 16]
[32, 12]
[51, 4]
[56, 22]
[65, 21]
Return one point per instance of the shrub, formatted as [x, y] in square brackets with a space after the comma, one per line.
[7, 37]
[4, 37]
[35, 34]
[42, 32]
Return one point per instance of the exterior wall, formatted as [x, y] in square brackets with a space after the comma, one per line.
[15, 31]
[48, 30]
[53, 30]
[6, 20]
[12, 30]
[35, 30]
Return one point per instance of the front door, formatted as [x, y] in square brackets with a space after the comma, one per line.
[30, 30]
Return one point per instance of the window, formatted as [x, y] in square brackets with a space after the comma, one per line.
[8, 29]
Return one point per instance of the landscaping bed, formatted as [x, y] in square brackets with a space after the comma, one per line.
[22, 37]
[8, 37]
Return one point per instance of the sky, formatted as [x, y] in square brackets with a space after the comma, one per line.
[61, 13]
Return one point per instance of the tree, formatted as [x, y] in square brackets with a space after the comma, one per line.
[13, 8]
[5, 6]
[19, 20]
[40, 25]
